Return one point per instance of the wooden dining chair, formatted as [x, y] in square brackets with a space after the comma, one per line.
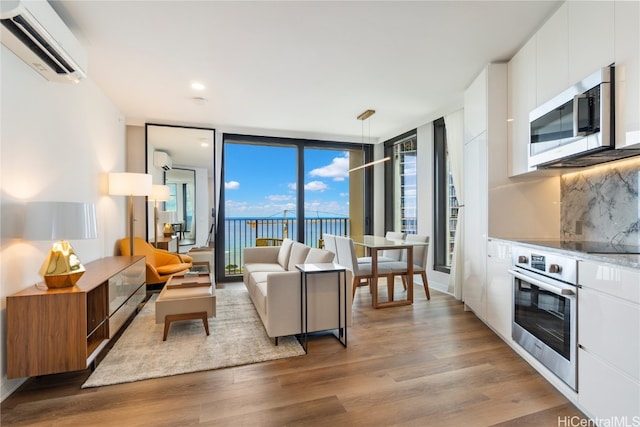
[420, 253]
[330, 243]
[362, 272]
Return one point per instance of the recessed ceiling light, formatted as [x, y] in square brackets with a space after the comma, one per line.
[197, 86]
[204, 144]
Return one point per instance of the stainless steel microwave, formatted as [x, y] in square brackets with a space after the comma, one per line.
[576, 123]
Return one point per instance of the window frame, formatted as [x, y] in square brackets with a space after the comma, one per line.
[440, 197]
[389, 175]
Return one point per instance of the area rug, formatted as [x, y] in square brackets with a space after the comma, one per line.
[237, 338]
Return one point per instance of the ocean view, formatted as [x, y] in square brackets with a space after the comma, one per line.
[242, 232]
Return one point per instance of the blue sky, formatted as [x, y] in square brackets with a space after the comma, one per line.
[260, 181]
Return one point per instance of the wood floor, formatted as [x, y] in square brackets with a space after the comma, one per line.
[429, 364]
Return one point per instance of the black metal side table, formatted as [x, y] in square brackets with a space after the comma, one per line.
[322, 268]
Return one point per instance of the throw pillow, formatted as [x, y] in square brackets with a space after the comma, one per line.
[298, 254]
[284, 252]
[319, 256]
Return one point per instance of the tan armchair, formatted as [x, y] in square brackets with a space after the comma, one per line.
[161, 264]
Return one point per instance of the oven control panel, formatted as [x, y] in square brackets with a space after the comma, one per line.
[551, 264]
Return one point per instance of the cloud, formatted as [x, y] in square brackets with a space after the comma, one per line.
[338, 170]
[279, 197]
[292, 186]
[231, 185]
[316, 186]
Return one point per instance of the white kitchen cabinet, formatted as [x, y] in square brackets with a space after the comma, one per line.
[485, 166]
[552, 65]
[627, 59]
[521, 100]
[499, 287]
[475, 225]
[591, 37]
[608, 340]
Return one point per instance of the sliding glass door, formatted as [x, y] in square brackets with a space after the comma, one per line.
[260, 198]
[276, 188]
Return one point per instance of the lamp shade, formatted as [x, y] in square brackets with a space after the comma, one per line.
[129, 184]
[167, 217]
[60, 220]
[159, 193]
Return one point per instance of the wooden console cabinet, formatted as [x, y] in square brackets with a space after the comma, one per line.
[60, 330]
[167, 243]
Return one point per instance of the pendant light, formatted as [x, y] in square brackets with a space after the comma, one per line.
[362, 117]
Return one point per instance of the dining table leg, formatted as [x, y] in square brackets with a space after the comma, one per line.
[374, 278]
[410, 274]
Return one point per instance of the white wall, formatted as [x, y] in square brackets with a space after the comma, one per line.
[57, 143]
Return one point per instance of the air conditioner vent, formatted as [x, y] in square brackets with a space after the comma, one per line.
[27, 35]
[36, 34]
[162, 160]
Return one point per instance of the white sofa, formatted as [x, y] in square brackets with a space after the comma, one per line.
[273, 283]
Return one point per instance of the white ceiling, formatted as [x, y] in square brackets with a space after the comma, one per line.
[299, 68]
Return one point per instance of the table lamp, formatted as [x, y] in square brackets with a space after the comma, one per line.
[130, 184]
[159, 193]
[167, 218]
[58, 221]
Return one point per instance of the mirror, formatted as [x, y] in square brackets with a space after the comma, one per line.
[182, 158]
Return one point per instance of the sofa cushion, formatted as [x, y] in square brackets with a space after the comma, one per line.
[259, 277]
[299, 253]
[259, 266]
[316, 255]
[285, 251]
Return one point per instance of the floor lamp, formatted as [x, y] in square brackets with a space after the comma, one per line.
[159, 193]
[130, 184]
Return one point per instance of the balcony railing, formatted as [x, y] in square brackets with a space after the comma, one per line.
[246, 232]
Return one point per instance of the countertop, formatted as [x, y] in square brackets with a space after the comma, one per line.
[624, 260]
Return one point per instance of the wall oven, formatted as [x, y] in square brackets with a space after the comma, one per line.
[545, 309]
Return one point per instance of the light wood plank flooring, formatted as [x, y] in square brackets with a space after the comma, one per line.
[427, 364]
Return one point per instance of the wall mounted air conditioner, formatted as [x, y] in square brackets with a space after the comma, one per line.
[162, 160]
[37, 35]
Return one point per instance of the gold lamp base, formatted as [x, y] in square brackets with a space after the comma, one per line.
[61, 268]
[168, 230]
[62, 280]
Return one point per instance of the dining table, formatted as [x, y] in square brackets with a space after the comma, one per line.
[374, 244]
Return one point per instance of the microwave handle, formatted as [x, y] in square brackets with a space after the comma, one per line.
[576, 108]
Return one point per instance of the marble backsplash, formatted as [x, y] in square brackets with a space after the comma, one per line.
[601, 203]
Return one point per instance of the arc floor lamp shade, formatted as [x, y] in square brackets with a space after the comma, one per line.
[130, 184]
[61, 221]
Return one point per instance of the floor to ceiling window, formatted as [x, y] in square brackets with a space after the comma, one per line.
[326, 194]
[401, 211]
[271, 183]
[445, 202]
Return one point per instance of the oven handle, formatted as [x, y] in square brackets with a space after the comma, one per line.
[543, 285]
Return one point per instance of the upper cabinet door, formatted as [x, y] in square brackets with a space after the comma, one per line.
[553, 59]
[591, 37]
[627, 58]
[521, 100]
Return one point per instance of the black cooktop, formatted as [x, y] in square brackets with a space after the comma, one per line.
[588, 247]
